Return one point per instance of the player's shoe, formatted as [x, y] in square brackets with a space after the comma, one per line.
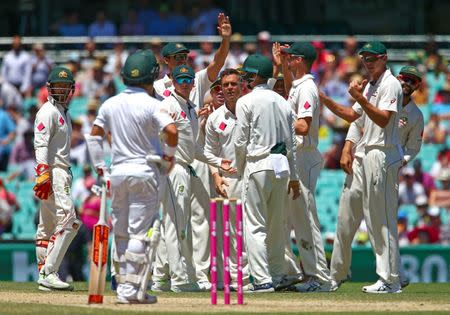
[52, 281]
[404, 283]
[149, 299]
[288, 281]
[113, 283]
[313, 285]
[381, 287]
[261, 288]
[188, 287]
[204, 285]
[160, 286]
[234, 287]
[335, 284]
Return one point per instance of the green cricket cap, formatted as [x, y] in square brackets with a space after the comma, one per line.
[411, 71]
[174, 48]
[374, 47]
[258, 64]
[302, 49]
[183, 71]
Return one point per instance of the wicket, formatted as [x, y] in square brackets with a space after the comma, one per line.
[226, 248]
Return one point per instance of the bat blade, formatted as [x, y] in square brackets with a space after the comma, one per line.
[99, 257]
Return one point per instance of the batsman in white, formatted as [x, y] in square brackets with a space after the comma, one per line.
[304, 100]
[379, 104]
[176, 54]
[219, 142]
[58, 223]
[265, 157]
[136, 122]
[411, 126]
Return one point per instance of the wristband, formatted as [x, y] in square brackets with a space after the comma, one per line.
[169, 151]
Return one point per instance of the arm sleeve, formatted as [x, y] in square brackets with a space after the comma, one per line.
[212, 144]
[44, 126]
[305, 104]
[161, 117]
[414, 140]
[102, 118]
[390, 97]
[202, 85]
[354, 133]
[242, 135]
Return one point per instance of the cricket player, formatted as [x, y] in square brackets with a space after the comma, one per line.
[411, 126]
[379, 104]
[175, 54]
[264, 147]
[58, 223]
[302, 212]
[220, 128]
[135, 120]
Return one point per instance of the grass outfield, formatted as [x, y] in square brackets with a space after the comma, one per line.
[24, 298]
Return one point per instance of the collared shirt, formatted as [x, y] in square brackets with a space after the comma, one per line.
[264, 119]
[135, 120]
[304, 100]
[186, 121]
[410, 127]
[164, 87]
[385, 94]
[52, 135]
[14, 69]
[219, 140]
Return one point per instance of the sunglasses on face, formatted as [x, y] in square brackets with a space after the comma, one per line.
[180, 57]
[184, 80]
[409, 80]
[216, 89]
[371, 58]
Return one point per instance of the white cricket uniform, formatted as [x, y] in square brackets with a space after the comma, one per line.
[411, 126]
[382, 160]
[264, 123]
[57, 217]
[135, 120]
[302, 212]
[177, 200]
[200, 188]
[220, 129]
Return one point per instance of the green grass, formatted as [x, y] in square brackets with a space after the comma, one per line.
[433, 298]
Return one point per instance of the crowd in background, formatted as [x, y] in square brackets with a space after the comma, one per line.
[24, 72]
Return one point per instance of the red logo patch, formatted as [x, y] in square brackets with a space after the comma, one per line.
[40, 127]
[183, 114]
[307, 105]
[222, 126]
[166, 93]
[61, 121]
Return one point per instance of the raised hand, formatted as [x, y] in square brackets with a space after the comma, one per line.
[276, 53]
[224, 26]
[356, 88]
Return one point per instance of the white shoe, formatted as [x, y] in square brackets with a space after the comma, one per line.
[188, 287]
[204, 285]
[313, 285]
[234, 287]
[382, 287]
[149, 299]
[287, 281]
[261, 288]
[160, 286]
[44, 289]
[52, 281]
[335, 284]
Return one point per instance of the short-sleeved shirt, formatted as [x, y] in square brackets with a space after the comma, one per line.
[304, 100]
[385, 94]
[52, 135]
[135, 120]
[6, 127]
[164, 87]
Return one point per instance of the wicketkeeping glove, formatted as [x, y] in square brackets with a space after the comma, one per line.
[43, 186]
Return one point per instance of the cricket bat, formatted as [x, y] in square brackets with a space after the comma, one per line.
[99, 254]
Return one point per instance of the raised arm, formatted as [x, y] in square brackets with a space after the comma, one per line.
[225, 31]
[346, 113]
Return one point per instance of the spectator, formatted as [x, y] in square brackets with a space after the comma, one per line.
[7, 137]
[145, 13]
[101, 26]
[80, 191]
[8, 205]
[323, 57]
[9, 95]
[265, 44]
[236, 55]
[206, 21]
[14, 66]
[116, 59]
[89, 55]
[94, 86]
[205, 56]
[402, 227]
[22, 157]
[39, 68]
[408, 189]
[88, 119]
[422, 177]
[433, 132]
[22, 124]
[422, 211]
[90, 209]
[164, 23]
[132, 26]
[441, 197]
[350, 61]
[333, 156]
[78, 151]
[443, 162]
[71, 26]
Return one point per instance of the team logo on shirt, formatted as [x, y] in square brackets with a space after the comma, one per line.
[305, 244]
[306, 105]
[183, 114]
[40, 127]
[181, 189]
[222, 126]
[393, 100]
[61, 121]
[166, 93]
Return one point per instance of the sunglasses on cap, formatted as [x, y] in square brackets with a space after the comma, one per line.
[184, 80]
[180, 57]
[408, 80]
[371, 58]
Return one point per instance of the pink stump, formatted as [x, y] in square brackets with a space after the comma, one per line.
[226, 251]
[239, 235]
[213, 247]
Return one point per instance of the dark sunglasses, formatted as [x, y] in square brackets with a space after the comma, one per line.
[409, 80]
[371, 58]
[180, 57]
[184, 80]
[216, 89]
